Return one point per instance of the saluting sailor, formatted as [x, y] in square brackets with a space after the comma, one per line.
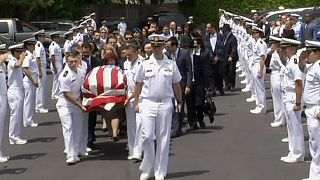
[56, 63]
[3, 99]
[30, 83]
[157, 82]
[41, 58]
[16, 93]
[310, 64]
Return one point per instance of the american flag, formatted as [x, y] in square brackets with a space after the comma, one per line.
[104, 87]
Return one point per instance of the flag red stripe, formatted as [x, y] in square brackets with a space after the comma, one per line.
[100, 84]
[114, 78]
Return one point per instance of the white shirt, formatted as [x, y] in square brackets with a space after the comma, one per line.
[259, 49]
[40, 52]
[296, 27]
[55, 50]
[213, 41]
[275, 63]
[312, 84]
[131, 70]
[15, 75]
[3, 86]
[122, 27]
[31, 63]
[291, 73]
[70, 81]
[158, 77]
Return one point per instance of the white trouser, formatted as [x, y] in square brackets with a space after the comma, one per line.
[41, 90]
[81, 132]
[15, 100]
[250, 78]
[133, 130]
[156, 125]
[258, 86]
[276, 92]
[55, 82]
[3, 115]
[69, 118]
[295, 130]
[314, 141]
[29, 111]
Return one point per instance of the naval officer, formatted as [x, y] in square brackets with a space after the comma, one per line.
[157, 82]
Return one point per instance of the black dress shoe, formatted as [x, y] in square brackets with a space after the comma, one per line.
[177, 134]
[192, 128]
[202, 124]
[233, 89]
[211, 117]
[221, 92]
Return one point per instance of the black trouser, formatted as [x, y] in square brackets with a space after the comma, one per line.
[229, 74]
[217, 78]
[92, 120]
[195, 109]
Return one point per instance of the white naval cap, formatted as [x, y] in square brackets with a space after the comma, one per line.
[41, 32]
[92, 14]
[81, 26]
[229, 13]
[247, 19]
[237, 18]
[73, 28]
[30, 41]
[54, 34]
[274, 39]
[221, 10]
[286, 42]
[295, 15]
[67, 33]
[312, 45]
[256, 29]
[157, 38]
[16, 46]
[2, 47]
[89, 19]
[251, 24]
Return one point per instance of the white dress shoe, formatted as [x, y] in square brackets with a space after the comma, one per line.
[285, 140]
[159, 178]
[72, 160]
[276, 124]
[244, 81]
[84, 154]
[258, 110]
[251, 99]
[31, 125]
[145, 176]
[238, 70]
[4, 159]
[306, 179]
[242, 74]
[137, 157]
[42, 111]
[245, 89]
[289, 159]
[130, 157]
[17, 141]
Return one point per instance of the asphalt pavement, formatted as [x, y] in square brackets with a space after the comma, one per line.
[237, 146]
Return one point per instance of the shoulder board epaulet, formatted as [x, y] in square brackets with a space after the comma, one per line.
[295, 60]
[26, 54]
[65, 74]
[261, 42]
[38, 44]
[139, 62]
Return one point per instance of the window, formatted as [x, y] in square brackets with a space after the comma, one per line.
[27, 29]
[4, 28]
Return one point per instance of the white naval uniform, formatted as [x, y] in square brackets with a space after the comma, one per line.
[54, 49]
[133, 118]
[291, 73]
[259, 49]
[67, 49]
[70, 114]
[4, 104]
[249, 60]
[312, 102]
[41, 90]
[156, 109]
[29, 105]
[276, 91]
[15, 98]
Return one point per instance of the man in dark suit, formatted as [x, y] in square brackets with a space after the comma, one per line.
[92, 62]
[230, 57]
[196, 98]
[88, 37]
[213, 43]
[183, 60]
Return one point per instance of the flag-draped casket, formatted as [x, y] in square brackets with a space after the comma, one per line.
[104, 87]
